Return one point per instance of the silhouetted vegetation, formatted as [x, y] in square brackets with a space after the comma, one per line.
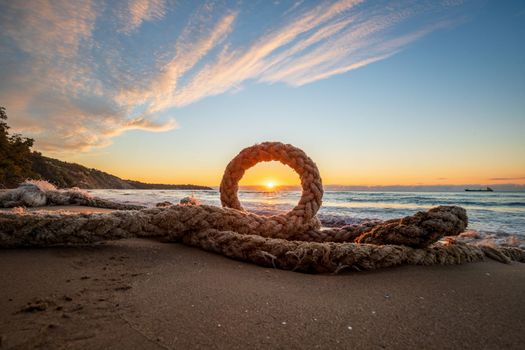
[18, 163]
[15, 155]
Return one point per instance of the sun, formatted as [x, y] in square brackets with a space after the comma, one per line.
[270, 185]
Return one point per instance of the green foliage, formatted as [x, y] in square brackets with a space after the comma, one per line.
[15, 155]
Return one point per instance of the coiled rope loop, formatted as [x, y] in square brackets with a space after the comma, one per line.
[312, 194]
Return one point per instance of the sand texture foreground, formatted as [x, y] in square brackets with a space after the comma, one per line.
[150, 295]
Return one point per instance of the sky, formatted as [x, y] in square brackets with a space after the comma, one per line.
[168, 91]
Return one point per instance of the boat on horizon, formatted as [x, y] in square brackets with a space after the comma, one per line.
[488, 189]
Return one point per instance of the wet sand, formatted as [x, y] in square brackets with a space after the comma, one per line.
[150, 295]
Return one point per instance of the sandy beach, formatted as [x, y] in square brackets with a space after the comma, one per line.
[151, 295]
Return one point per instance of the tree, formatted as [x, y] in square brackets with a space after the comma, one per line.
[4, 136]
[15, 155]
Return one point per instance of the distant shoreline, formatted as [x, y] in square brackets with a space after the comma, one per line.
[137, 185]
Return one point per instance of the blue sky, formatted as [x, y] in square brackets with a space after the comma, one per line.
[376, 92]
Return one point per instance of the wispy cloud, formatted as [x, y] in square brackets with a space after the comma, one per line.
[507, 178]
[133, 12]
[194, 43]
[321, 42]
[50, 84]
[76, 74]
[59, 26]
[234, 66]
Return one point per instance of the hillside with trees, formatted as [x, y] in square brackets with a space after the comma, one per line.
[19, 163]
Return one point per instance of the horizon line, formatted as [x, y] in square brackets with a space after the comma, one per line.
[385, 186]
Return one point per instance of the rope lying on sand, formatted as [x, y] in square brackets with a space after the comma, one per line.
[37, 193]
[292, 241]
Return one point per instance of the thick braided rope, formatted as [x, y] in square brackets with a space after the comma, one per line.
[185, 224]
[301, 218]
[289, 241]
[44, 228]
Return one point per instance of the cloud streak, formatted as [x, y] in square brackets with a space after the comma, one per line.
[76, 75]
[135, 12]
[507, 178]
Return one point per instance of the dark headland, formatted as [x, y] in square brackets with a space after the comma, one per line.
[18, 162]
[66, 175]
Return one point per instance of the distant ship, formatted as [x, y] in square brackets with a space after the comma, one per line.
[488, 189]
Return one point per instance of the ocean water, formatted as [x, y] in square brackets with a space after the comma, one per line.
[497, 213]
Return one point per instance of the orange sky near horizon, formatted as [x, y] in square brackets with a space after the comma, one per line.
[381, 174]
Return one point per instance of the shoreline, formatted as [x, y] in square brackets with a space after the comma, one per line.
[141, 293]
